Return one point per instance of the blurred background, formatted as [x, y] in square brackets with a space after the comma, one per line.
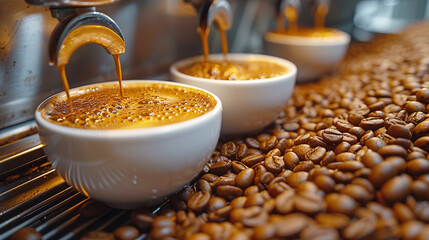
[157, 33]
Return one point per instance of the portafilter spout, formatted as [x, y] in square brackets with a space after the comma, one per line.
[218, 11]
[288, 9]
[73, 14]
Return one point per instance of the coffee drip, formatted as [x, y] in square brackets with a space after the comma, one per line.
[289, 11]
[82, 35]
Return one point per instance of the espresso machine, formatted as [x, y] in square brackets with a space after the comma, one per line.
[156, 34]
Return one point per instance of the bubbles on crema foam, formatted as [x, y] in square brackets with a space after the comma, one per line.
[144, 105]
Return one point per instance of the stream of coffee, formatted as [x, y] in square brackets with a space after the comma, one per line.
[80, 36]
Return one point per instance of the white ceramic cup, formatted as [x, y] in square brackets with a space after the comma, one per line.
[313, 56]
[248, 105]
[126, 168]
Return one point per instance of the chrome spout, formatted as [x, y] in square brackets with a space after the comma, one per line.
[67, 25]
[214, 11]
[71, 15]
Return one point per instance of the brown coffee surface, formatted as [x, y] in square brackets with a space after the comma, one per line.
[143, 105]
[235, 70]
[312, 32]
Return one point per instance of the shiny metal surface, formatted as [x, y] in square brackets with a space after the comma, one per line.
[69, 3]
[63, 29]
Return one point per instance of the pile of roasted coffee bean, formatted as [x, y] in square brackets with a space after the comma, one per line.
[347, 159]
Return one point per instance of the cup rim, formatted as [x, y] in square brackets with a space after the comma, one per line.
[235, 56]
[342, 38]
[128, 132]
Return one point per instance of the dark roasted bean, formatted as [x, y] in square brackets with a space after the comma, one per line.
[245, 178]
[397, 188]
[199, 201]
[251, 160]
[274, 164]
[291, 160]
[371, 123]
[335, 220]
[126, 233]
[221, 167]
[237, 166]
[422, 143]
[296, 178]
[228, 192]
[304, 166]
[340, 203]
[370, 159]
[296, 222]
[418, 166]
[315, 154]
[301, 150]
[392, 150]
[332, 136]
[375, 143]
[317, 141]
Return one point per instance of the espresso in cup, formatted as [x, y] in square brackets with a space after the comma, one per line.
[234, 70]
[143, 105]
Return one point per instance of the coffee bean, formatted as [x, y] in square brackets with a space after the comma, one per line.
[291, 160]
[221, 167]
[370, 159]
[410, 229]
[26, 233]
[340, 203]
[357, 131]
[371, 123]
[402, 212]
[325, 183]
[418, 166]
[274, 164]
[199, 201]
[368, 134]
[96, 235]
[229, 150]
[317, 141]
[308, 202]
[423, 95]
[203, 185]
[126, 233]
[399, 131]
[199, 236]
[304, 166]
[344, 157]
[264, 232]
[301, 150]
[252, 159]
[342, 147]
[375, 143]
[334, 220]
[296, 178]
[210, 177]
[328, 158]
[296, 222]
[359, 229]
[314, 232]
[355, 119]
[241, 151]
[245, 178]
[416, 118]
[285, 202]
[315, 154]
[343, 125]
[237, 166]
[392, 150]
[350, 166]
[252, 142]
[414, 106]
[332, 136]
[228, 192]
[422, 128]
[420, 190]
[268, 143]
[422, 143]
[397, 188]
